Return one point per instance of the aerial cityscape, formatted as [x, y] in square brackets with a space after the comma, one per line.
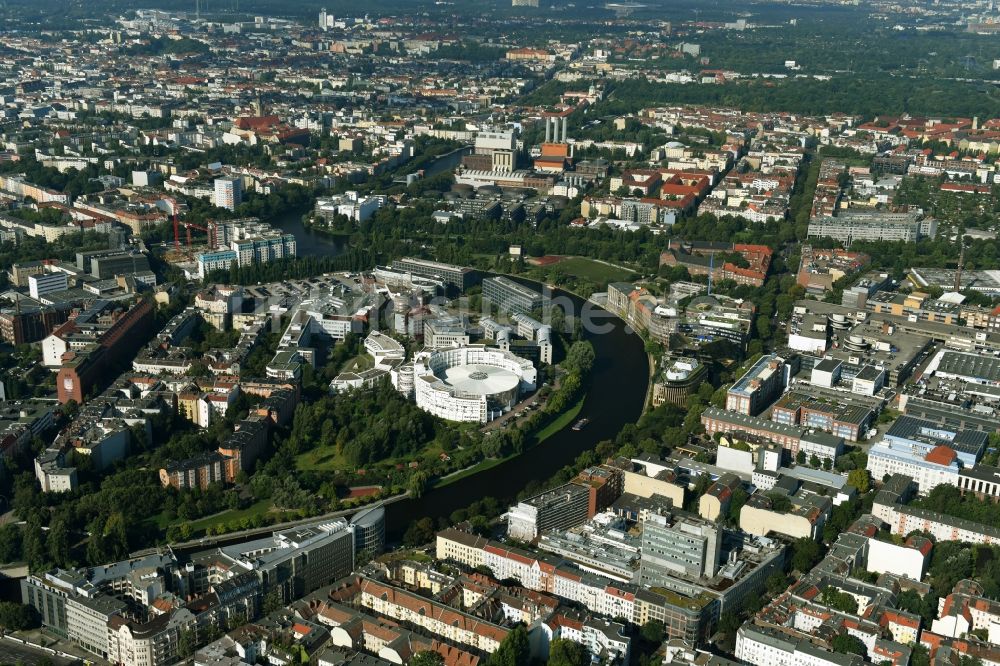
[500, 333]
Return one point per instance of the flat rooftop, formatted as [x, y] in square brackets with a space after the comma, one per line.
[518, 288]
[973, 366]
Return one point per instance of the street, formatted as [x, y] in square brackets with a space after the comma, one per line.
[12, 653]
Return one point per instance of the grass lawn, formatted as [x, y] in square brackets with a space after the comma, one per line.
[256, 509]
[322, 458]
[328, 459]
[359, 364]
[589, 269]
[475, 469]
[561, 422]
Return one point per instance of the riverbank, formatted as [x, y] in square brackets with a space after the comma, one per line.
[545, 433]
[343, 236]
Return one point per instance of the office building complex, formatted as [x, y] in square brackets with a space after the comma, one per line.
[929, 453]
[46, 283]
[758, 387]
[456, 276]
[842, 419]
[559, 508]
[689, 547]
[467, 383]
[102, 337]
[28, 323]
[511, 297]
[134, 612]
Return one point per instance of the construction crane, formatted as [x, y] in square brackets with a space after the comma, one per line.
[210, 228]
[173, 210]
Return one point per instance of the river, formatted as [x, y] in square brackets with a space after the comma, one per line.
[615, 397]
[308, 242]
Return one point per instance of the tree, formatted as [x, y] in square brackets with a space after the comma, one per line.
[563, 652]
[859, 479]
[272, 602]
[776, 582]
[805, 553]
[58, 542]
[919, 656]
[187, 641]
[10, 543]
[729, 623]
[925, 607]
[18, 617]
[779, 502]
[838, 600]
[800, 457]
[417, 483]
[419, 533]
[652, 632]
[848, 644]
[814, 461]
[514, 650]
[736, 504]
[580, 357]
[115, 536]
[427, 658]
[34, 544]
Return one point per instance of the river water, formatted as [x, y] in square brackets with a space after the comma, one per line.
[309, 243]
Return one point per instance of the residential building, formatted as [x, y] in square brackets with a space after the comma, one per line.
[764, 646]
[218, 260]
[228, 193]
[848, 227]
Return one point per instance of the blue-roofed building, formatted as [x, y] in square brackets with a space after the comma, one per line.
[929, 453]
[969, 445]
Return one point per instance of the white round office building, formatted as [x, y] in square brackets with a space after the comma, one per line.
[470, 382]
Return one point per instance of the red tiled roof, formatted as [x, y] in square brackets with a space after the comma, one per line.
[941, 455]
